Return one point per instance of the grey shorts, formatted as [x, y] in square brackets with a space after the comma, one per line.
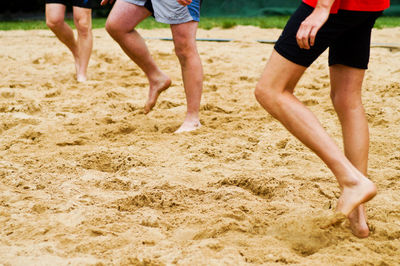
[170, 11]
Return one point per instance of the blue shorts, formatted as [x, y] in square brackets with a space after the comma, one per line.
[170, 11]
[79, 3]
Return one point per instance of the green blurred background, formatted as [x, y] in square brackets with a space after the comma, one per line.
[17, 9]
[249, 8]
[29, 14]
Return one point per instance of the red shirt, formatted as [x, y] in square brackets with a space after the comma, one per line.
[354, 5]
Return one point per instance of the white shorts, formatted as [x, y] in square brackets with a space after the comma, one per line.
[170, 11]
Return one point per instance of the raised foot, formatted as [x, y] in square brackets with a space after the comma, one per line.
[352, 196]
[154, 92]
[188, 126]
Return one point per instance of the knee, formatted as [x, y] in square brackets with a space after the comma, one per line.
[110, 27]
[266, 97]
[185, 51]
[83, 26]
[259, 93]
[113, 28]
[54, 22]
[345, 101]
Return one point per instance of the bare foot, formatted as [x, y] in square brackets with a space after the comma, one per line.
[189, 125]
[76, 60]
[362, 190]
[358, 222]
[155, 90]
[79, 76]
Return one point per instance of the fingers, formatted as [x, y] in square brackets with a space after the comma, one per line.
[104, 2]
[184, 2]
[313, 34]
[306, 35]
[309, 28]
[303, 36]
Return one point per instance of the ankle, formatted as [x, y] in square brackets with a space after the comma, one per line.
[350, 182]
[192, 117]
[156, 76]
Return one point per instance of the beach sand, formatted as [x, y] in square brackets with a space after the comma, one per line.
[87, 179]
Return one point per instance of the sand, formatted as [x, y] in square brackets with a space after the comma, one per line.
[87, 179]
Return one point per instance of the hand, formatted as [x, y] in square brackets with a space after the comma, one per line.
[310, 27]
[104, 2]
[183, 2]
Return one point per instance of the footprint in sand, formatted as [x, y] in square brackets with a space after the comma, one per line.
[334, 220]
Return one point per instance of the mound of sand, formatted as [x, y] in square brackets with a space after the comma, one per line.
[87, 178]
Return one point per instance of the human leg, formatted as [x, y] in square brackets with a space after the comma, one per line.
[184, 36]
[346, 83]
[348, 59]
[55, 21]
[273, 92]
[83, 23]
[121, 23]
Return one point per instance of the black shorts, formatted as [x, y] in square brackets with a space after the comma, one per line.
[347, 34]
[79, 3]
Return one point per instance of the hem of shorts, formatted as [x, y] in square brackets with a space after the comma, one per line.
[133, 2]
[349, 65]
[174, 21]
[289, 57]
[83, 7]
[66, 5]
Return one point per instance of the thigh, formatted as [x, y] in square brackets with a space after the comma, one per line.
[82, 17]
[287, 45]
[280, 74]
[352, 48]
[336, 25]
[55, 11]
[346, 81]
[184, 35]
[127, 15]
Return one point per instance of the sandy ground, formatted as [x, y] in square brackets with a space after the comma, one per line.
[87, 179]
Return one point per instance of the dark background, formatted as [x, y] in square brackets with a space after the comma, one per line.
[31, 9]
[34, 9]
